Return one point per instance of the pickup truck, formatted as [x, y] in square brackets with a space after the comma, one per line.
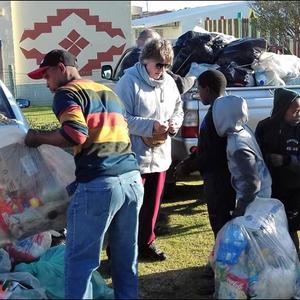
[259, 100]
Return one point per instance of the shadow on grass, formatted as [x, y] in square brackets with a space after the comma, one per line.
[183, 194]
[188, 283]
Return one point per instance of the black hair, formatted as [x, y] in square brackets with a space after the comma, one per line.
[213, 79]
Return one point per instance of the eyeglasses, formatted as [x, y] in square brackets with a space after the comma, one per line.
[160, 66]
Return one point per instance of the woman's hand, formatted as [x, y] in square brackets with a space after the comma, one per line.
[160, 127]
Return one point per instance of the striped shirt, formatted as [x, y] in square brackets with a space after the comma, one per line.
[92, 119]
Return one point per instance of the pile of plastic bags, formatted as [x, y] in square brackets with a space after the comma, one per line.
[244, 61]
[254, 256]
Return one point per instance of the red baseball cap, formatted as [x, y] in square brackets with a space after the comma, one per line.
[51, 59]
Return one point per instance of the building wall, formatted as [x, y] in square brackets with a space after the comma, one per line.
[6, 37]
[96, 32]
[189, 21]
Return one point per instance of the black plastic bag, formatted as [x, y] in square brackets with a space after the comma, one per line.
[242, 51]
[196, 49]
[237, 76]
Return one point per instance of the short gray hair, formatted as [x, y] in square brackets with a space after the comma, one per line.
[147, 35]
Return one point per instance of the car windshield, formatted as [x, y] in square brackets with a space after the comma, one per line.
[5, 109]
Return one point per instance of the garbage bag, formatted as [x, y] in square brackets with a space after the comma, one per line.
[5, 263]
[29, 249]
[49, 270]
[278, 68]
[33, 196]
[237, 76]
[192, 47]
[20, 285]
[252, 253]
[267, 78]
[242, 51]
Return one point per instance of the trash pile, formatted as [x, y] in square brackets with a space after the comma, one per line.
[244, 61]
[254, 256]
[33, 204]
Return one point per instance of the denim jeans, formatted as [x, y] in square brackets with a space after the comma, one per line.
[105, 204]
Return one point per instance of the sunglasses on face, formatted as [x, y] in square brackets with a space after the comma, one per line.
[160, 66]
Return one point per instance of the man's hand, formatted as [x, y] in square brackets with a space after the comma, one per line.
[32, 138]
[276, 159]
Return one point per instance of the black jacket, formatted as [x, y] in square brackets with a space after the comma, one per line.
[210, 158]
[281, 138]
[275, 136]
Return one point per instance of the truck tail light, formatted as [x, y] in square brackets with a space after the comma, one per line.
[189, 131]
[190, 126]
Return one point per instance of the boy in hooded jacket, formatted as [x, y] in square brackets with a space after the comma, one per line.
[250, 176]
[279, 139]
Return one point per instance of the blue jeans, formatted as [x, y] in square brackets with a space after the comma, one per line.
[106, 204]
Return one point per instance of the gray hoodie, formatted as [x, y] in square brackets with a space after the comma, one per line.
[249, 175]
[147, 100]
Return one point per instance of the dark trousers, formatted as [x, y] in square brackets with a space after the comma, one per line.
[220, 197]
[153, 189]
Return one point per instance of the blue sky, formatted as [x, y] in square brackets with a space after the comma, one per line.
[173, 5]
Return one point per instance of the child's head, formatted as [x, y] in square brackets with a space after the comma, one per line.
[286, 106]
[211, 85]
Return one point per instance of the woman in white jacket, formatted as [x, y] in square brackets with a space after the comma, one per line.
[154, 112]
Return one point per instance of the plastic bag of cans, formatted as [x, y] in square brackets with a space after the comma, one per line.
[33, 195]
[254, 256]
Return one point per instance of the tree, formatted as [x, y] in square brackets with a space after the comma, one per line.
[277, 19]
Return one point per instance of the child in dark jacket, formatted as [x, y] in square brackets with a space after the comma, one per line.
[279, 139]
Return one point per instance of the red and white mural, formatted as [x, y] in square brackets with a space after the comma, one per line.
[96, 32]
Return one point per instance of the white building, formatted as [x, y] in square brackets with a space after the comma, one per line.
[172, 25]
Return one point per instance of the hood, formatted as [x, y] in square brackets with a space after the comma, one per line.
[282, 100]
[139, 71]
[229, 113]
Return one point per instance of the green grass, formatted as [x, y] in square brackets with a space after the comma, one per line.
[187, 243]
[41, 117]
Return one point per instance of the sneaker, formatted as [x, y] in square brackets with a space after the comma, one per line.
[151, 252]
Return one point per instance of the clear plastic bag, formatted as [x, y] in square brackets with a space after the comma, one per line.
[278, 68]
[33, 196]
[252, 253]
[20, 285]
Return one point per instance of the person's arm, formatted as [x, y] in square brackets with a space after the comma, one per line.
[247, 179]
[35, 138]
[140, 126]
[188, 165]
[73, 130]
[183, 84]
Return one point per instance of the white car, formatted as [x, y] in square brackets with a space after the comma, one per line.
[10, 108]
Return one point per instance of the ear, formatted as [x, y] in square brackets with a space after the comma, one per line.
[62, 67]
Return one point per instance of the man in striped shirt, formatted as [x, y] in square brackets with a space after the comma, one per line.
[109, 190]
